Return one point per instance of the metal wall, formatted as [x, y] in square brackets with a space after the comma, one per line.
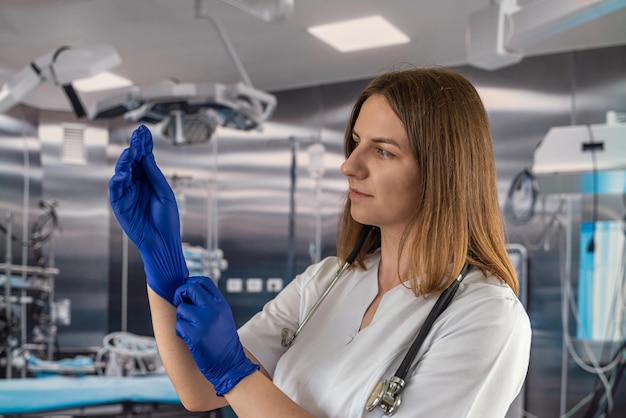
[75, 175]
[33, 170]
[260, 186]
[20, 178]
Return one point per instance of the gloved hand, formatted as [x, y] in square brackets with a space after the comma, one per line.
[145, 207]
[205, 322]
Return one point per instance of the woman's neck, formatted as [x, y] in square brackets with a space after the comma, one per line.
[390, 272]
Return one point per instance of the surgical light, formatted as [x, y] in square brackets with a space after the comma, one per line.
[182, 109]
[188, 129]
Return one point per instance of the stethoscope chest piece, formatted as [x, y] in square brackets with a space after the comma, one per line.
[386, 395]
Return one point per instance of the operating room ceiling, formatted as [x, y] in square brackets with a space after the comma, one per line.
[163, 39]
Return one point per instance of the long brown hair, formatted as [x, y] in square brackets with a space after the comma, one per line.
[458, 218]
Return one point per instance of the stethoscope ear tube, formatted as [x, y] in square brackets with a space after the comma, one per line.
[365, 231]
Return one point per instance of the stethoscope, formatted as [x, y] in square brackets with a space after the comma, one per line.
[286, 340]
[386, 394]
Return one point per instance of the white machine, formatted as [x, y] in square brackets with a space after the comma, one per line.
[582, 159]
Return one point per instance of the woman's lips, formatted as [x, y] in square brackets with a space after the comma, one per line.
[356, 194]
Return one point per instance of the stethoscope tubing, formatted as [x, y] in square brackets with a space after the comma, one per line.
[440, 305]
[387, 393]
[286, 341]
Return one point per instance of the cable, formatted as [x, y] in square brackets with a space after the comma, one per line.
[599, 405]
[43, 227]
[591, 246]
[549, 229]
[605, 383]
[591, 368]
[525, 181]
[9, 323]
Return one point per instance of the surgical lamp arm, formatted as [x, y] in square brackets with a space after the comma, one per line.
[22, 83]
[62, 67]
[201, 12]
[266, 10]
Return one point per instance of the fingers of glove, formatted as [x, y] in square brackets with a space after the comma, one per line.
[191, 317]
[122, 179]
[195, 293]
[185, 328]
[156, 178]
[208, 284]
[141, 139]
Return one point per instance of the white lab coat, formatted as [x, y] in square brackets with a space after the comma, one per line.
[472, 364]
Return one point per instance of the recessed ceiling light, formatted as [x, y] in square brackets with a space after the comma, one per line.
[101, 81]
[358, 34]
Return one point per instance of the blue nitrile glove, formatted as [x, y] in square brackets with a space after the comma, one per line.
[205, 322]
[145, 207]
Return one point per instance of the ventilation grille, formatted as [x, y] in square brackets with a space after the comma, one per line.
[73, 149]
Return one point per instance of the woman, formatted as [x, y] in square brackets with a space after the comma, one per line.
[421, 171]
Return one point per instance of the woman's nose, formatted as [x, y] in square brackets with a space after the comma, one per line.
[352, 166]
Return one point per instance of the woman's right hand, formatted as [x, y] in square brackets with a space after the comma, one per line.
[145, 206]
[205, 322]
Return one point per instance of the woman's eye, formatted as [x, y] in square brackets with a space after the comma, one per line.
[383, 153]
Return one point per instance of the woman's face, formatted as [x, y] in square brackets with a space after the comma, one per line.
[382, 172]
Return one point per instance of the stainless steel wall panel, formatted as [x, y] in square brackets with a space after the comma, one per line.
[20, 179]
[82, 247]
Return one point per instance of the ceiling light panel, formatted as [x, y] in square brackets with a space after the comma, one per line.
[359, 34]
